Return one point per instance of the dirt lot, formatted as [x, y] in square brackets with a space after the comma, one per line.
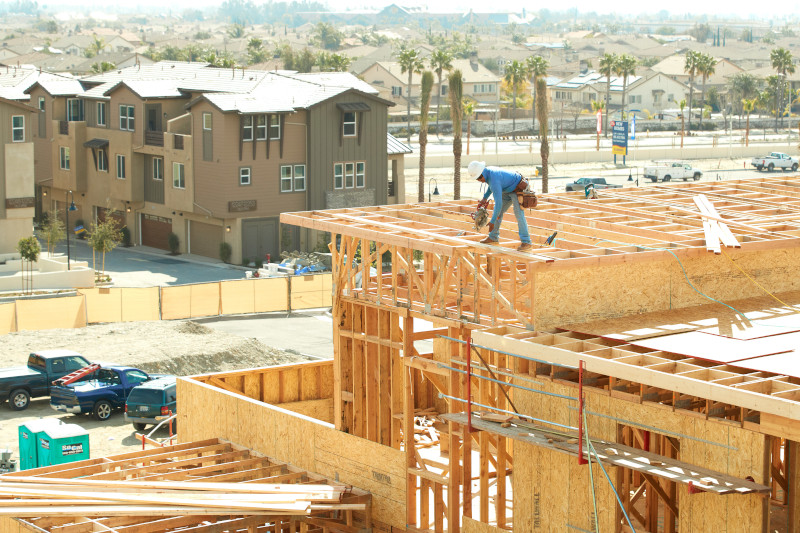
[178, 347]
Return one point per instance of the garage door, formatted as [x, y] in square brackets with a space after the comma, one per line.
[260, 237]
[103, 213]
[204, 239]
[155, 231]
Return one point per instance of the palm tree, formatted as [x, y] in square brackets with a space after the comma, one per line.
[536, 66]
[409, 62]
[783, 64]
[682, 104]
[97, 45]
[598, 105]
[102, 66]
[541, 115]
[469, 112]
[514, 77]
[690, 67]
[441, 60]
[455, 92]
[745, 86]
[424, 106]
[625, 67]
[705, 68]
[608, 66]
[747, 106]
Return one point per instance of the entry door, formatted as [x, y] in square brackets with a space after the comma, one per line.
[260, 237]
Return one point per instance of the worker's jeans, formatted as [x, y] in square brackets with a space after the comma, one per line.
[510, 198]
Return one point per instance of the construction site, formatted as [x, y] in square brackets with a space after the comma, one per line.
[636, 371]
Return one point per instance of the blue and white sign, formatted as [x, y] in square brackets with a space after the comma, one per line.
[633, 127]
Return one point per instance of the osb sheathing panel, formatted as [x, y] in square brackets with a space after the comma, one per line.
[237, 297]
[7, 318]
[540, 490]
[51, 313]
[206, 412]
[318, 409]
[113, 304]
[12, 525]
[600, 292]
[473, 526]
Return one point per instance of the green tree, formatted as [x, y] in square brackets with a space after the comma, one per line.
[53, 231]
[441, 60]
[256, 53]
[29, 249]
[305, 60]
[410, 62]
[456, 89]
[535, 67]
[541, 115]
[102, 66]
[744, 86]
[105, 236]
[690, 66]
[625, 68]
[514, 78]
[236, 31]
[426, 84]
[97, 45]
[333, 62]
[327, 36]
[783, 63]
[706, 68]
[748, 105]
[608, 66]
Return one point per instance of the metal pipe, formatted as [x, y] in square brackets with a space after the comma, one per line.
[469, 384]
[511, 354]
[581, 460]
[442, 365]
[572, 428]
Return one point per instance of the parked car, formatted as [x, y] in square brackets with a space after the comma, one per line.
[106, 389]
[149, 400]
[775, 160]
[580, 184]
[671, 170]
[19, 384]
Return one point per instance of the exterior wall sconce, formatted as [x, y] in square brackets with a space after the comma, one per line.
[227, 229]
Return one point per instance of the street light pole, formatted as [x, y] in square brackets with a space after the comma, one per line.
[69, 207]
[435, 191]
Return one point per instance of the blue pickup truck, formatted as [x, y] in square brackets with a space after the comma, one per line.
[19, 384]
[106, 390]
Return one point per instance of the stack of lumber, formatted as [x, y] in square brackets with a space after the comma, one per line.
[22, 496]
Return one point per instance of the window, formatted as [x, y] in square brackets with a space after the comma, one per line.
[360, 174]
[244, 176]
[158, 168]
[338, 176]
[286, 178]
[349, 124]
[120, 166]
[102, 160]
[299, 177]
[261, 128]
[41, 103]
[444, 90]
[670, 97]
[64, 158]
[247, 128]
[136, 376]
[275, 127]
[635, 99]
[74, 109]
[207, 121]
[126, 117]
[101, 113]
[18, 128]
[397, 90]
[349, 174]
[483, 88]
[178, 176]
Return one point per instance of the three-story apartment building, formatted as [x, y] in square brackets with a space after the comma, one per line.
[214, 155]
[16, 173]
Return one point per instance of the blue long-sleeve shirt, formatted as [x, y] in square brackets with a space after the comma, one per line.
[499, 181]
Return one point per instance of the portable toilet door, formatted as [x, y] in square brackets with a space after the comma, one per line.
[29, 434]
[66, 443]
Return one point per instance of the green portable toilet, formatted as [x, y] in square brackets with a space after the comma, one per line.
[63, 444]
[29, 433]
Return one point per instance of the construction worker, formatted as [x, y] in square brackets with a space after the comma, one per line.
[503, 185]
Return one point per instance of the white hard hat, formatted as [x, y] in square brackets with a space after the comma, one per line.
[475, 169]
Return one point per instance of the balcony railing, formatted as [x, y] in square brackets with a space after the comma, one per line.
[63, 127]
[154, 138]
[178, 142]
[391, 188]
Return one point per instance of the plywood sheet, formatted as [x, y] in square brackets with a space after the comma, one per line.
[140, 303]
[270, 294]
[205, 299]
[176, 302]
[103, 304]
[51, 313]
[8, 322]
[237, 297]
[717, 348]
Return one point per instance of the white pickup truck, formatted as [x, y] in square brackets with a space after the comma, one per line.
[775, 160]
[671, 170]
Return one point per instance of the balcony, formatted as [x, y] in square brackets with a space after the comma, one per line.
[178, 142]
[154, 138]
[63, 127]
[391, 188]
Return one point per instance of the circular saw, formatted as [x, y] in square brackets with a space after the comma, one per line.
[481, 215]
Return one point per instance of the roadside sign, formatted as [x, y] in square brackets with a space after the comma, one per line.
[619, 137]
[633, 127]
[599, 122]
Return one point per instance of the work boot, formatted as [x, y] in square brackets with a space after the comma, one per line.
[489, 240]
[524, 247]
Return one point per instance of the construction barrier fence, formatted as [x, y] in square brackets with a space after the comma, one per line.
[128, 304]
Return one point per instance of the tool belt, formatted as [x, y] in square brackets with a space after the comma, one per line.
[527, 198]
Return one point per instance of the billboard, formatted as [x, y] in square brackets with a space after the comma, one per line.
[619, 137]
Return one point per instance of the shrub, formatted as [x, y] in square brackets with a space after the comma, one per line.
[225, 252]
[174, 242]
[259, 263]
[126, 237]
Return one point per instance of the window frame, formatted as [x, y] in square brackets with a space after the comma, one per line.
[362, 174]
[16, 129]
[80, 115]
[261, 128]
[181, 175]
[101, 118]
[121, 170]
[295, 178]
[245, 171]
[63, 157]
[286, 178]
[210, 121]
[349, 175]
[338, 175]
[158, 169]
[275, 125]
[42, 104]
[246, 128]
[127, 115]
[102, 160]
[353, 123]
